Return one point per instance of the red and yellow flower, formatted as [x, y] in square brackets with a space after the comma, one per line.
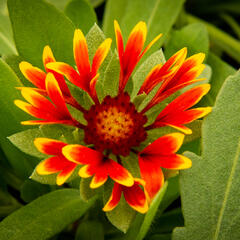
[114, 127]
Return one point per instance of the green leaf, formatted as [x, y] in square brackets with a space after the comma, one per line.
[13, 61]
[130, 12]
[193, 36]
[219, 38]
[6, 46]
[45, 216]
[96, 3]
[31, 190]
[90, 230]
[210, 189]
[24, 141]
[114, 10]
[37, 24]
[81, 13]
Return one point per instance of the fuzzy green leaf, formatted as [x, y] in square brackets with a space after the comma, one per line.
[37, 24]
[111, 77]
[81, 13]
[210, 189]
[44, 217]
[24, 141]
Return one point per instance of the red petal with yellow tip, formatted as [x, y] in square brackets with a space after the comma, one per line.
[119, 174]
[99, 179]
[80, 51]
[100, 55]
[48, 58]
[33, 74]
[49, 146]
[82, 155]
[176, 113]
[119, 41]
[37, 100]
[55, 94]
[69, 73]
[173, 161]
[114, 198]
[52, 165]
[33, 111]
[63, 176]
[136, 198]
[152, 175]
[164, 145]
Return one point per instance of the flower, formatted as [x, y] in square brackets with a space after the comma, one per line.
[114, 127]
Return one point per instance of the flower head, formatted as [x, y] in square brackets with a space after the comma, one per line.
[115, 127]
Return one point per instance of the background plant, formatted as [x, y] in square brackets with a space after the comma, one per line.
[210, 27]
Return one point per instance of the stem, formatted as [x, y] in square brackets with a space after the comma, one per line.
[220, 38]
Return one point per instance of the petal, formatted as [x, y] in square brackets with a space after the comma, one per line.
[178, 119]
[136, 198]
[49, 146]
[164, 145]
[119, 40]
[51, 165]
[173, 161]
[152, 175]
[80, 51]
[33, 111]
[99, 179]
[119, 174]
[186, 100]
[86, 171]
[81, 155]
[114, 198]
[100, 55]
[33, 74]
[44, 122]
[65, 174]
[69, 73]
[48, 58]
[92, 87]
[37, 100]
[56, 96]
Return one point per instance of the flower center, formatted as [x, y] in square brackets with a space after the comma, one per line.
[115, 125]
